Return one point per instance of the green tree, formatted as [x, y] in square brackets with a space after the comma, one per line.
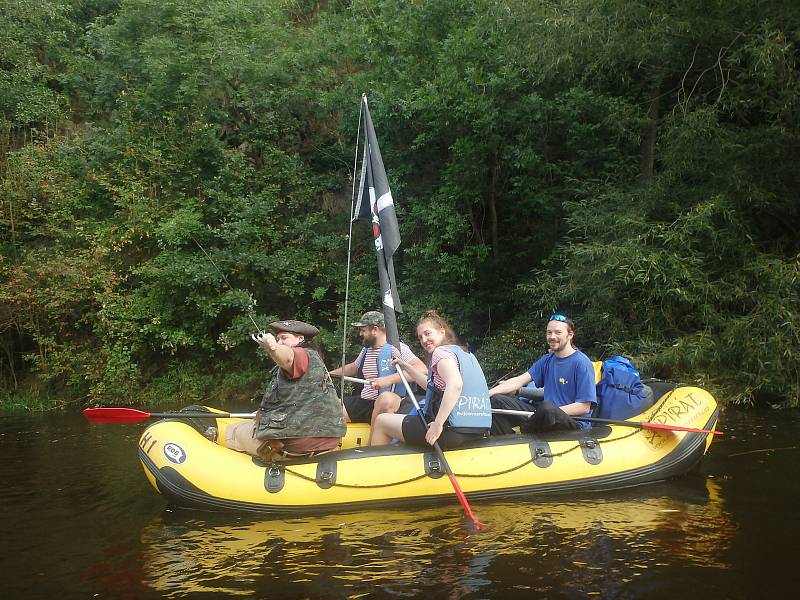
[172, 170]
[695, 272]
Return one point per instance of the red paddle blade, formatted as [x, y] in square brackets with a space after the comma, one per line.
[115, 415]
[463, 500]
[679, 428]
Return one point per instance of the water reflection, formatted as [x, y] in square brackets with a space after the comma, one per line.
[562, 547]
[79, 520]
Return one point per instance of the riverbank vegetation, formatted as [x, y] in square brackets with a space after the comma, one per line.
[172, 169]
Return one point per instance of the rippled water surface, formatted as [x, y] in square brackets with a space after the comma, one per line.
[79, 520]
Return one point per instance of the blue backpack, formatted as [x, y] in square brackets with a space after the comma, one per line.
[620, 392]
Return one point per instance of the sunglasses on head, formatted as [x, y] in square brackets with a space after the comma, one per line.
[561, 318]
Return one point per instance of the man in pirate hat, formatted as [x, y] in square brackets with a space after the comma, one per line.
[300, 414]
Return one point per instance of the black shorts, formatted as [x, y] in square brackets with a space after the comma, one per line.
[414, 434]
[360, 410]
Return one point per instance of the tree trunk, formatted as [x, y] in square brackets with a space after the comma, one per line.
[493, 211]
[11, 369]
[648, 149]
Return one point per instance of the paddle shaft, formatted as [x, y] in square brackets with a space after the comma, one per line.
[132, 415]
[637, 424]
[356, 380]
[250, 415]
[453, 481]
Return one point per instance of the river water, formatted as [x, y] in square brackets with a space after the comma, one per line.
[79, 520]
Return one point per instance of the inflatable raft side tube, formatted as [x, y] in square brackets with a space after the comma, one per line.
[176, 489]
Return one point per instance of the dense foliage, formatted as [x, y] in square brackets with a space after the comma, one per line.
[174, 174]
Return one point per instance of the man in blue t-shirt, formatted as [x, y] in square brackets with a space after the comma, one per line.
[567, 376]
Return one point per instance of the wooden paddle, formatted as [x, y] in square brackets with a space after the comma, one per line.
[453, 481]
[131, 415]
[637, 424]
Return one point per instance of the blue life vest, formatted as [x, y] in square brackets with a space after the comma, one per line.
[620, 393]
[385, 367]
[473, 408]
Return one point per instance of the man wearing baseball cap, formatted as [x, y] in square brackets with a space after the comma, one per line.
[386, 394]
[300, 414]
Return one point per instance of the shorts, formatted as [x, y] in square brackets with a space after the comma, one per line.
[414, 434]
[360, 410]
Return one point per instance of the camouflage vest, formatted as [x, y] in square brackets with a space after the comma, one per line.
[303, 407]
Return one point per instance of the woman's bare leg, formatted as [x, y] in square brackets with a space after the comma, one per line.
[387, 426]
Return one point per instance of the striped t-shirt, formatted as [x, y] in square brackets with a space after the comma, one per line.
[368, 360]
[438, 354]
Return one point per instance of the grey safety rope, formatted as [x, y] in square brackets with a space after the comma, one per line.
[349, 247]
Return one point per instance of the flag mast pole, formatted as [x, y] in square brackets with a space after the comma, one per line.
[349, 249]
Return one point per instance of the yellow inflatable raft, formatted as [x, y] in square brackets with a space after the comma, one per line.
[190, 470]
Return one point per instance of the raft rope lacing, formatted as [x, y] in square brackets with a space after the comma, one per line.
[495, 474]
